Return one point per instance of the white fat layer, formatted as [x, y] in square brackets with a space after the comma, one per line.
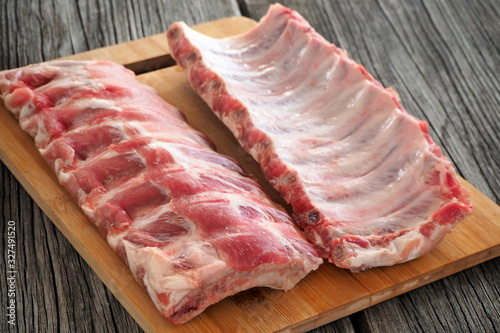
[41, 130]
[27, 110]
[185, 160]
[73, 81]
[161, 276]
[95, 103]
[404, 248]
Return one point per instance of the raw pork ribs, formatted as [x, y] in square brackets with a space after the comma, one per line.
[366, 182]
[192, 228]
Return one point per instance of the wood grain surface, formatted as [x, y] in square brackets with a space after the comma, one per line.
[441, 56]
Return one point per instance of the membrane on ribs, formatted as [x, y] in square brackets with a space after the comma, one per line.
[190, 225]
[365, 180]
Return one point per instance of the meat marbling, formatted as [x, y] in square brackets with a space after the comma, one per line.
[366, 182]
[190, 225]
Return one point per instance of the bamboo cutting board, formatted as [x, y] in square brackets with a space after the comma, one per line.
[323, 296]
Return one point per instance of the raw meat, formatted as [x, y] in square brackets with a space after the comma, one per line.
[190, 225]
[366, 182]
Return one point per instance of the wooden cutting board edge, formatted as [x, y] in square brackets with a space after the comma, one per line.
[383, 295]
[57, 204]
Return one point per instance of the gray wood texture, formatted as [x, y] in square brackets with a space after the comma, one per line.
[442, 56]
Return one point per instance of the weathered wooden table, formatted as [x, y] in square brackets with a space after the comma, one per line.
[441, 56]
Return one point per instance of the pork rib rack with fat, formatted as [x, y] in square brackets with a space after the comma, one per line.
[366, 181]
[192, 228]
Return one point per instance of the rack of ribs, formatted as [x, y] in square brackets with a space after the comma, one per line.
[192, 227]
[366, 182]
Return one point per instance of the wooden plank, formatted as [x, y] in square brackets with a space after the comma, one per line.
[325, 295]
[151, 53]
[32, 32]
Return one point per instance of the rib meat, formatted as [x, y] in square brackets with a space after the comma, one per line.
[366, 182]
[190, 225]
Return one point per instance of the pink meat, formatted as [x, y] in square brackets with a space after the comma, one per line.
[366, 182]
[191, 227]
